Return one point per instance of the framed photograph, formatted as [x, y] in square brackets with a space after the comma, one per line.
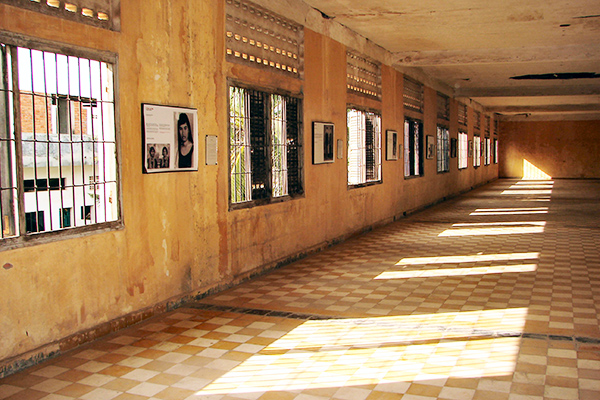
[169, 138]
[453, 146]
[323, 142]
[470, 148]
[430, 147]
[391, 145]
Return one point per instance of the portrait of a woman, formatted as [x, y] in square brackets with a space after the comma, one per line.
[185, 142]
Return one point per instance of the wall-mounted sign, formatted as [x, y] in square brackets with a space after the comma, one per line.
[170, 138]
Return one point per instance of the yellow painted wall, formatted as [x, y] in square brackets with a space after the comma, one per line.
[559, 149]
[179, 237]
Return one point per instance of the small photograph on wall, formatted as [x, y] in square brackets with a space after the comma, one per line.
[470, 148]
[323, 138]
[169, 135]
[430, 147]
[453, 146]
[391, 145]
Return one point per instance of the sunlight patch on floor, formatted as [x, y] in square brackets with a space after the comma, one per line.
[428, 273]
[510, 211]
[494, 228]
[367, 351]
[469, 258]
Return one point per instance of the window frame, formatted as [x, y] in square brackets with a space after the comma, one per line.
[443, 149]
[463, 150]
[377, 148]
[476, 151]
[23, 238]
[414, 154]
[269, 197]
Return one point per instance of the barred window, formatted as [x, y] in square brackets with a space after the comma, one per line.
[476, 151]
[364, 146]
[462, 114]
[413, 95]
[463, 150]
[443, 149]
[264, 145]
[495, 151]
[413, 147]
[487, 148]
[57, 129]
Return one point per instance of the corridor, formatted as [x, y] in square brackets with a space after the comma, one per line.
[492, 295]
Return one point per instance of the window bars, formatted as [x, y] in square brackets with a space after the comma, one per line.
[264, 142]
[364, 146]
[413, 147]
[57, 142]
[463, 150]
[443, 149]
[462, 114]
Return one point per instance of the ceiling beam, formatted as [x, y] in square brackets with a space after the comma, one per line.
[544, 108]
[590, 51]
[512, 91]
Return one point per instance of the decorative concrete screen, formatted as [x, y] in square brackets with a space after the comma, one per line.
[100, 13]
[443, 107]
[261, 38]
[462, 114]
[363, 75]
[413, 95]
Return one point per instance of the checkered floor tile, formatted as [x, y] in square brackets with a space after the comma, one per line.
[492, 295]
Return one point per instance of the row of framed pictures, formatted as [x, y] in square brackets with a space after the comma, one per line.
[323, 139]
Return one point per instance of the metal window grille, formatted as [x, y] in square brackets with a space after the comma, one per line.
[258, 37]
[462, 114]
[363, 76]
[488, 124]
[264, 143]
[488, 151]
[496, 126]
[443, 106]
[413, 95]
[476, 151]
[45, 162]
[99, 13]
[463, 150]
[443, 149]
[364, 146]
[495, 151]
[413, 145]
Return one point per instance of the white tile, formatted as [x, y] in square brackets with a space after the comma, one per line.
[147, 389]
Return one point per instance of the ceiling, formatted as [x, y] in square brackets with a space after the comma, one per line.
[477, 46]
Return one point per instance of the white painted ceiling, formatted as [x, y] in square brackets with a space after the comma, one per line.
[476, 46]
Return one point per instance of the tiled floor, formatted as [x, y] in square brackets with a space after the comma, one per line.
[493, 295]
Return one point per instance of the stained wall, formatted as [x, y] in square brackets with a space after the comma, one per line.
[559, 149]
[178, 237]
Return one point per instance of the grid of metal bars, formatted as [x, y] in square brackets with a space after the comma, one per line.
[477, 122]
[413, 147]
[58, 142]
[463, 150]
[443, 149]
[364, 146]
[264, 141]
